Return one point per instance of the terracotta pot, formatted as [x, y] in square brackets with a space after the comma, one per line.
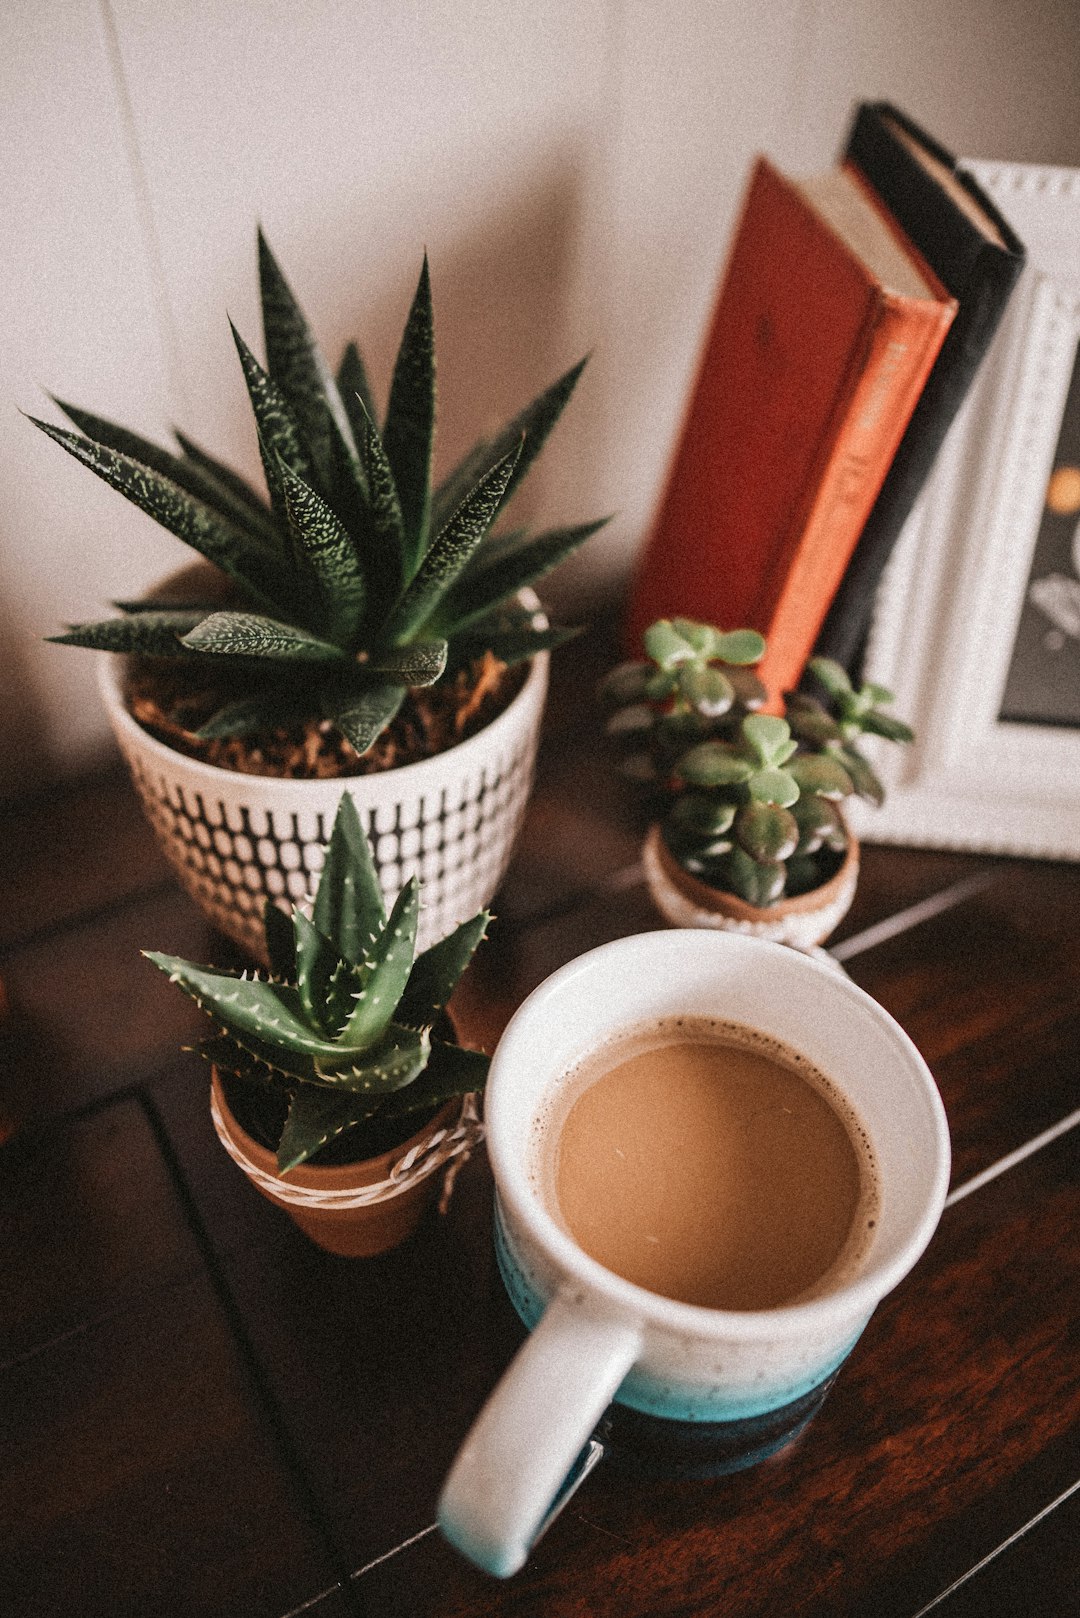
[804, 921]
[333, 1205]
[235, 840]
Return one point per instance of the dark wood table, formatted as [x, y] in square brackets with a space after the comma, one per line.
[203, 1414]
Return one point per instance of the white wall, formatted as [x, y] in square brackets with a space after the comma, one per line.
[572, 166]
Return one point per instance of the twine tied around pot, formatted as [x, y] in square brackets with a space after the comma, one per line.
[449, 1147]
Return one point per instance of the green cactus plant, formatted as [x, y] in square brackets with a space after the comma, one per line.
[341, 1050]
[750, 800]
[356, 579]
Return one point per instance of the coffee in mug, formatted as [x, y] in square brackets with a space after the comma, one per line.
[709, 1163]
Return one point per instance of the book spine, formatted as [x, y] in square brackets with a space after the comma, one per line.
[905, 342]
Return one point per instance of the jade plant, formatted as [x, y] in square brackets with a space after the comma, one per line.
[751, 801]
[343, 1049]
[354, 579]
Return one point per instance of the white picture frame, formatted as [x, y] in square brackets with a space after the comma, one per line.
[946, 617]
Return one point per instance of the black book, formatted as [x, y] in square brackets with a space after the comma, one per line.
[972, 250]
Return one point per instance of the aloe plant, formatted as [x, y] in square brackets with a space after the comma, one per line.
[344, 1038]
[751, 799]
[354, 578]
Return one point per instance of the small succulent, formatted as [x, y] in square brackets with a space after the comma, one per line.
[751, 798]
[356, 579]
[344, 1038]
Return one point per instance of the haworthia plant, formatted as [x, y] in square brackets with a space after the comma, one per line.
[354, 578]
[750, 798]
[344, 1028]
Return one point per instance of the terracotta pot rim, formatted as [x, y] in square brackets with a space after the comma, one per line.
[334, 1180]
[730, 904]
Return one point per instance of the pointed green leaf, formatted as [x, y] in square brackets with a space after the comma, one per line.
[409, 430]
[533, 424]
[510, 646]
[295, 362]
[451, 1071]
[267, 709]
[280, 942]
[435, 973]
[362, 712]
[391, 959]
[348, 906]
[146, 634]
[492, 578]
[449, 552]
[883, 724]
[320, 538]
[249, 634]
[419, 663]
[316, 961]
[244, 1005]
[353, 385]
[188, 475]
[316, 1117]
[229, 547]
[378, 1069]
[281, 440]
[384, 548]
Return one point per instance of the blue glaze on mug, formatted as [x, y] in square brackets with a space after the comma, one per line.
[670, 1404]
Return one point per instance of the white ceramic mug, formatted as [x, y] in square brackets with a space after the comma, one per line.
[723, 1387]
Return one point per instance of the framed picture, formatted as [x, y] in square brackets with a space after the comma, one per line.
[977, 624]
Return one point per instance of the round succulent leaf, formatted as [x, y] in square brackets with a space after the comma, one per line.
[626, 682]
[818, 822]
[666, 646]
[773, 786]
[757, 882]
[631, 720]
[740, 646]
[698, 636]
[766, 735]
[660, 686]
[706, 689]
[697, 814]
[832, 676]
[713, 764]
[864, 781]
[821, 773]
[766, 832]
[749, 691]
[812, 723]
[803, 875]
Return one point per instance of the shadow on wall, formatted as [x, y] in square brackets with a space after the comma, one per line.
[27, 760]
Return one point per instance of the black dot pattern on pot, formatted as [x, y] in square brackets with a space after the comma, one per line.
[231, 857]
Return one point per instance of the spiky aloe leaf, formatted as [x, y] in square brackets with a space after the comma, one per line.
[362, 712]
[239, 488]
[353, 386]
[317, 1116]
[391, 959]
[267, 709]
[321, 538]
[280, 942]
[530, 428]
[435, 973]
[419, 663]
[316, 962]
[384, 547]
[395, 1060]
[245, 1005]
[451, 1071]
[149, 634]
[281, 441]
[221, 541]
[249, 634]
[508, 634]
[409, 430]
[188, 475]
[348, 906]
[295, 362]
[449, 551]
[490, 579]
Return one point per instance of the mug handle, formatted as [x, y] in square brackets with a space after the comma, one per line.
[529, 1448]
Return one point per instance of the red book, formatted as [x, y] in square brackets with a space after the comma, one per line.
[825, 329]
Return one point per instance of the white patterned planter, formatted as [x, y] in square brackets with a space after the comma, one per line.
[235, 840]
